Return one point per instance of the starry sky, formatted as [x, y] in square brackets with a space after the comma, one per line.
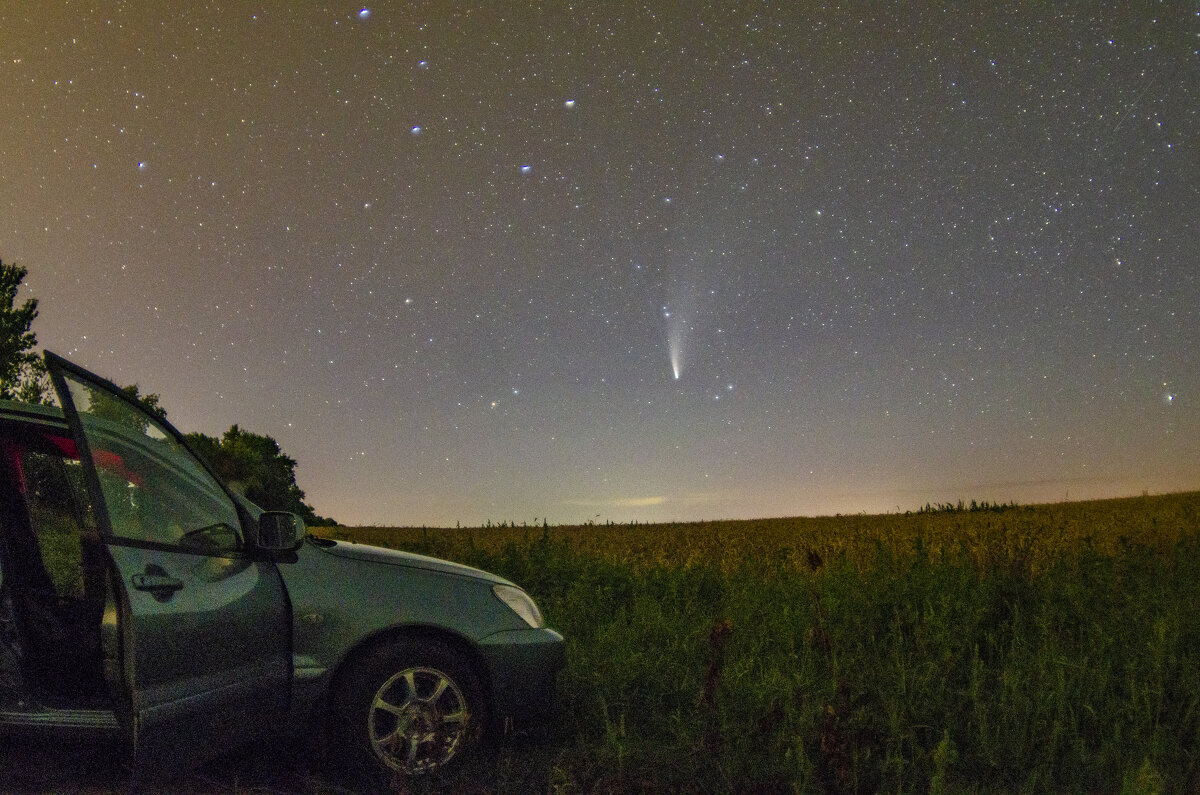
[624, 260]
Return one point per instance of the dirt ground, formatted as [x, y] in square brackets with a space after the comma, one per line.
[78, 769]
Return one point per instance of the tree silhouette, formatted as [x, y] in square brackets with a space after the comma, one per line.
[22, 372]
[254, 465]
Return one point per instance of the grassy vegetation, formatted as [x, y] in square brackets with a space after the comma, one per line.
[1048, 648]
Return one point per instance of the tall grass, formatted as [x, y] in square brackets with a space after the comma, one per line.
[1054, 648]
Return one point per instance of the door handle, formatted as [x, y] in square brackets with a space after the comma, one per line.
[156, 583]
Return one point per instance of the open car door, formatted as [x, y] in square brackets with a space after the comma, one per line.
[202, 657]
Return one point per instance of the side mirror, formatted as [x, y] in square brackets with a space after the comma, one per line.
[280, 531]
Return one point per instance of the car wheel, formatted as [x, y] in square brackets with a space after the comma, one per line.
[406, 709]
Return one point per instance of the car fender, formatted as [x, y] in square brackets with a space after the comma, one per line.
[346, 596]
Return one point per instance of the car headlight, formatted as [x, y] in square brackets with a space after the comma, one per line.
[520, 603]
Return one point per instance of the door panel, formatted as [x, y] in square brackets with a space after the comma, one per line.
[194, 650]
[203, 624]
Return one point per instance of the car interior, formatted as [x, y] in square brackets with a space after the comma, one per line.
[52, 577]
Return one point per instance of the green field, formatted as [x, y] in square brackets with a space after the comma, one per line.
[1015, 649]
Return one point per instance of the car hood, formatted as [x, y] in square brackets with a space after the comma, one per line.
[392, 557]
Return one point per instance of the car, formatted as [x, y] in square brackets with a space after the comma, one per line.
[143, 600]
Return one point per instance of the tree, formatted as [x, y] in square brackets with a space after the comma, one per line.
[103, 405]
[22, 372]
[249, 463]
[149, 401]
[254, 465]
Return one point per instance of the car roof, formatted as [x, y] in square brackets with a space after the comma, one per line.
[32, 413]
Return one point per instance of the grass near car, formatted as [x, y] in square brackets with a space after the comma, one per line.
[1043, 648]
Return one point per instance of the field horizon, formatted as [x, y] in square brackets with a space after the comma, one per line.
[958, 505]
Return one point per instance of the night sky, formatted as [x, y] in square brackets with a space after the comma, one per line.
[626, 261]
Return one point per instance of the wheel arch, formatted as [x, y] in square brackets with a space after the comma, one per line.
[454, 641]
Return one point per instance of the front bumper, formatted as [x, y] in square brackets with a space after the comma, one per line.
[522, 665]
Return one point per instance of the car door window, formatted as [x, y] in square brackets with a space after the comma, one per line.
[154, 489]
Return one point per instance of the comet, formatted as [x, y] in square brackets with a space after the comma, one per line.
[676, 326]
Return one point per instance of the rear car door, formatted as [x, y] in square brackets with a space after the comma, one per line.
[203, 657]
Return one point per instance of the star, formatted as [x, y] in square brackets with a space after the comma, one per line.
[886, 274]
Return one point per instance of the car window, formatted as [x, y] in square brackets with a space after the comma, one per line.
[155, 490]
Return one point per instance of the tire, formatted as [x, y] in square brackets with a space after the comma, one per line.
[409, 708]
